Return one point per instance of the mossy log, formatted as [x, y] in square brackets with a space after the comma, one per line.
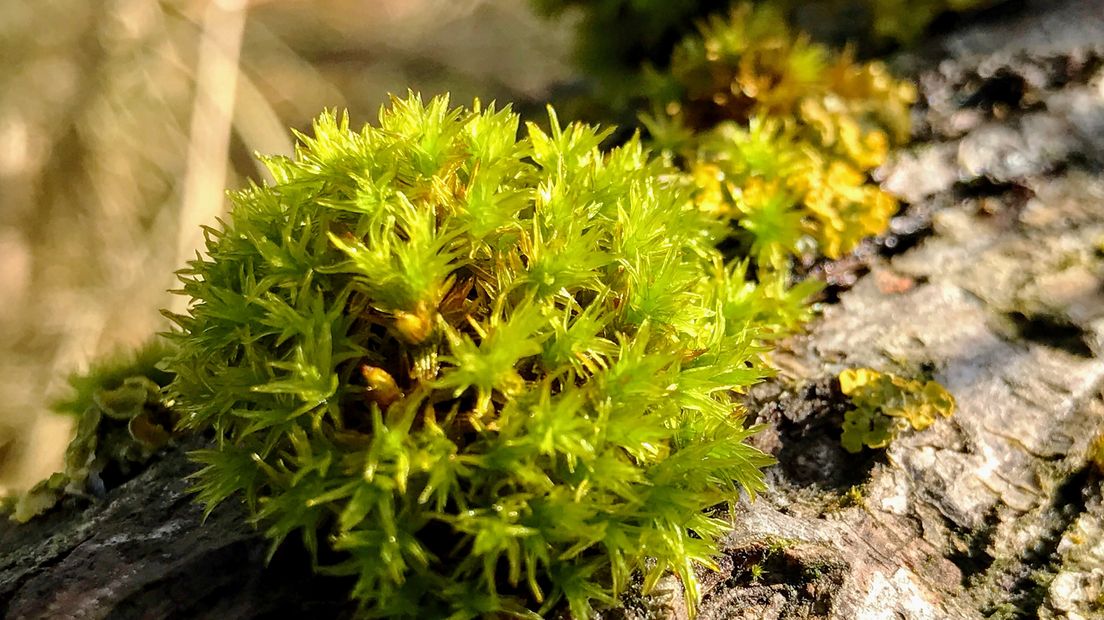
[992, 281]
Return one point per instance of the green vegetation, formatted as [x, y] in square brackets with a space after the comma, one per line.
[121, 419]
[491, 373]
[778, 135]
[853, 497]
[649, 30]
[886, 405]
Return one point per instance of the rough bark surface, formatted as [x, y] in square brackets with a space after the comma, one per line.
[992, 282]
[145, 551]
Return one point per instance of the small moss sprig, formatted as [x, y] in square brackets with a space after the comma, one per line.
[120, 419]
[779, 135]
[488, 374]
[886, 405]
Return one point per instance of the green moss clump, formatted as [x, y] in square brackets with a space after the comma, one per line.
[778, 135]
[649, 30]
[488, 374]
[121, 419]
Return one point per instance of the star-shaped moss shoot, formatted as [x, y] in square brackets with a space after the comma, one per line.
[489, 374]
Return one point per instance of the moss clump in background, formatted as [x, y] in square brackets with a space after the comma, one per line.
[121, 418]
[887, 405]
[648, 30]
[779, 135]
[492, 374]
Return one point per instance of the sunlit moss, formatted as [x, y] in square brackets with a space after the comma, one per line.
[779, 134]
[121, 419]
[491, 374]
[648, 30]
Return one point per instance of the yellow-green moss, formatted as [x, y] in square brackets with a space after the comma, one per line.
[779, 135]
[490, 373]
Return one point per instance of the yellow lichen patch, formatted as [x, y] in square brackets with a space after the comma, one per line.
[886, 404]
[1096, 453]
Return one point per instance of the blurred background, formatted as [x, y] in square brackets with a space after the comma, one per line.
[123, 123]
